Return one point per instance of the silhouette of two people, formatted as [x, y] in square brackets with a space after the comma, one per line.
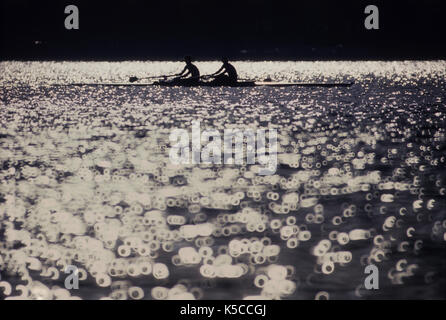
[226, 75]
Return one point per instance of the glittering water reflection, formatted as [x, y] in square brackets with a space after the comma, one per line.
[86, 180]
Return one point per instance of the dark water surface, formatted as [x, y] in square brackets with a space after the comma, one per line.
[86, 180]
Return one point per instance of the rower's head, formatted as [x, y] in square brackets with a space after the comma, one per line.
[188, 59]
[224, 60]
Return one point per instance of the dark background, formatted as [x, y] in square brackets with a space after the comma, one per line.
[207, 29]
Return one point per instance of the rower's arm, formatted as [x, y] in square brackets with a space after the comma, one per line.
[186, 74]
[182, 72]
[219, 71]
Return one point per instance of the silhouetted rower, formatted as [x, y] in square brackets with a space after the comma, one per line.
[190, 73]
[226, 74]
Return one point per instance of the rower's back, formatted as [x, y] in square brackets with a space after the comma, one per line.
[194, 72]
[231, 71]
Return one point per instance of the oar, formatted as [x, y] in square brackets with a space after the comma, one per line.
[133, 79]
[206, 76]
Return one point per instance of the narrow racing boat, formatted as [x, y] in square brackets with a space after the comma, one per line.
[238, 84]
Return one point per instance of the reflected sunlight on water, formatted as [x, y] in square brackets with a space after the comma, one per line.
[86, 180]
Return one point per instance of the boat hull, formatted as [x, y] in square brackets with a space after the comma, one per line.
[207, 84]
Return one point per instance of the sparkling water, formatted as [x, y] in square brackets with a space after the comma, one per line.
[86, 181]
